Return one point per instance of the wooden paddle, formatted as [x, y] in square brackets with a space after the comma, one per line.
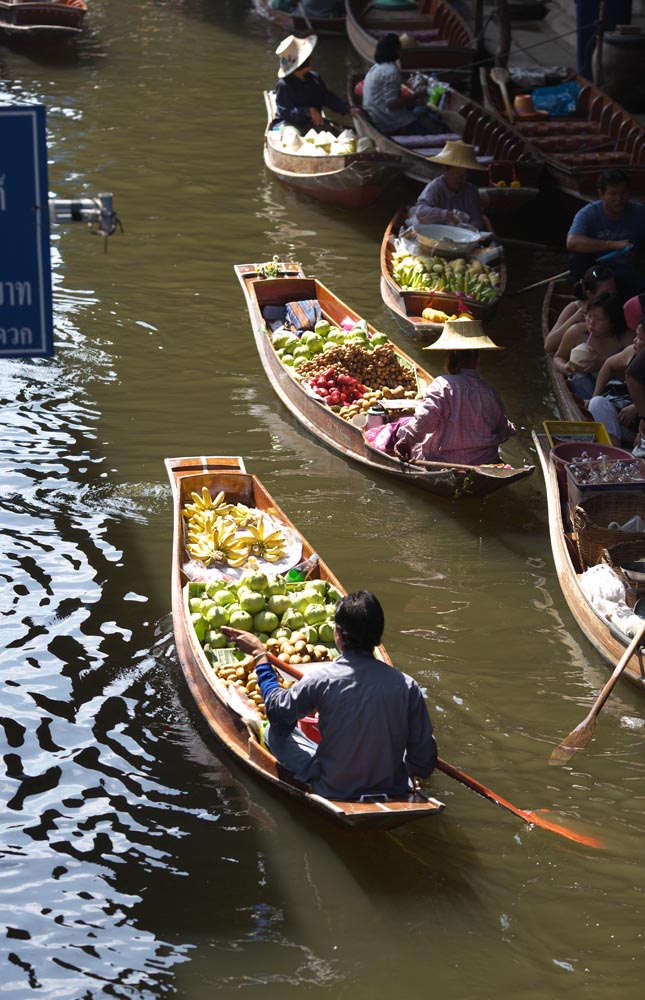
[453, 772]
[545, 281]
[499, 75]
[582, 734]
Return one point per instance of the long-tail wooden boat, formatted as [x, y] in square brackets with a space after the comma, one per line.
[235, 723]
[575, 149]
[352, 180]
[408, 306]
[558, 295]
[442, 479]
[497, 147]
[34, 17]
[437, 39]
[297, 23]
[609, 641]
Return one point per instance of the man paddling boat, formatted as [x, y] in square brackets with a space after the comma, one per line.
[376, 733]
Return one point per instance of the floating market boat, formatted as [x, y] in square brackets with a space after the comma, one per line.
[512, 168]
[42, 16]
[435, 39]
[408, 305]
[349, 179]
[263, 295]
[574, 148]
[299, 23]
[227, 708]
[609, 640]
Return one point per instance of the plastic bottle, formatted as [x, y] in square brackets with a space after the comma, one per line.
[300, 572]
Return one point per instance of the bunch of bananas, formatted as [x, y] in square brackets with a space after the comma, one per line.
[229, 534]
[217, 543]
[266, 542]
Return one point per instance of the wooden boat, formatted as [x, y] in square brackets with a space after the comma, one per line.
[558, 295]
[576, 149]
[498, 148]
[342, 436]
[219, 706]
[351, 180]
[42, 16]
[437, 39]
[609, 641]
[408, 306]
[297, 24]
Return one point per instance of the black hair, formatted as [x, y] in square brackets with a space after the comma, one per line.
[387, 48]
[612, 307]
[611, 178]
[591, 279]
[360, 620]
[458, 359]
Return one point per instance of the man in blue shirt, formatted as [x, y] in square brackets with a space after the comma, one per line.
[614, 223]
[375, 730]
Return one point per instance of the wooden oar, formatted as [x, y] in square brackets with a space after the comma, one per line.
[499, 75]
[453, 772]
[582, 734]
[545, 281]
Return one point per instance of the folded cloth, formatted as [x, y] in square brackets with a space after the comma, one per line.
[636, 523]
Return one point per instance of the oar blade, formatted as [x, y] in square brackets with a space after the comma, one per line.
[576, 740]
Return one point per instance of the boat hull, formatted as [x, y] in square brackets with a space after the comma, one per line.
[295, 24]
[352, 181]
[441, 479]
[606, 639]
[59, 17]
[408, 306]
[575, 150]
[228, 474]
[497, 146]
[450, 53]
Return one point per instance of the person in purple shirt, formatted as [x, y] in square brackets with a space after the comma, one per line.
[452, 199]
[375, 731]
[301, 94]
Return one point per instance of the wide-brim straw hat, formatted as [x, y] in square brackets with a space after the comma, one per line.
[292, 52]
[463, 335]
[457, 154]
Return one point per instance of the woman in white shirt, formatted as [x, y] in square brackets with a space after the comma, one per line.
[392, 111]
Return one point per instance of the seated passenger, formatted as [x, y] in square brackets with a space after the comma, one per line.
[604, 334]
[300, 94]
[392, 110]
[611, 403]
[452, 199]
[594, 281]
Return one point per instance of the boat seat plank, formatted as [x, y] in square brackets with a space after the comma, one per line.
[413, 141]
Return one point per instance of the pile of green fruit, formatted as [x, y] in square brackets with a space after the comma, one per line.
[293, 350]
[471, 278]
[270, 607]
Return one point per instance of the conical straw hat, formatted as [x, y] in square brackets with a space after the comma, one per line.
[292, 52]
[457, 154]
[463, 335]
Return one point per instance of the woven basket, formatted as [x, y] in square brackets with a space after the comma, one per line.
[623, 555]
[591, 517]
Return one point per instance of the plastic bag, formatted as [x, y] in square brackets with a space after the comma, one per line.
[559, 100]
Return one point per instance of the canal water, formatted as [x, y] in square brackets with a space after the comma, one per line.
[137, 859]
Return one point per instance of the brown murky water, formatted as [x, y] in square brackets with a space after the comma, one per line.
[138, 861]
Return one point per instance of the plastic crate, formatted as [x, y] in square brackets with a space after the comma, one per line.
[581, 491]
[564, 431]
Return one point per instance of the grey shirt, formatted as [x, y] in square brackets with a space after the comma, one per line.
[374, 725]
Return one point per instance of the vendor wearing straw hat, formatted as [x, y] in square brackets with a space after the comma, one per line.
[451, 199]
[300, 94]
[461, 417]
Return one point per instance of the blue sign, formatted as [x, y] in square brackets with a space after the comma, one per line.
[26, 321]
